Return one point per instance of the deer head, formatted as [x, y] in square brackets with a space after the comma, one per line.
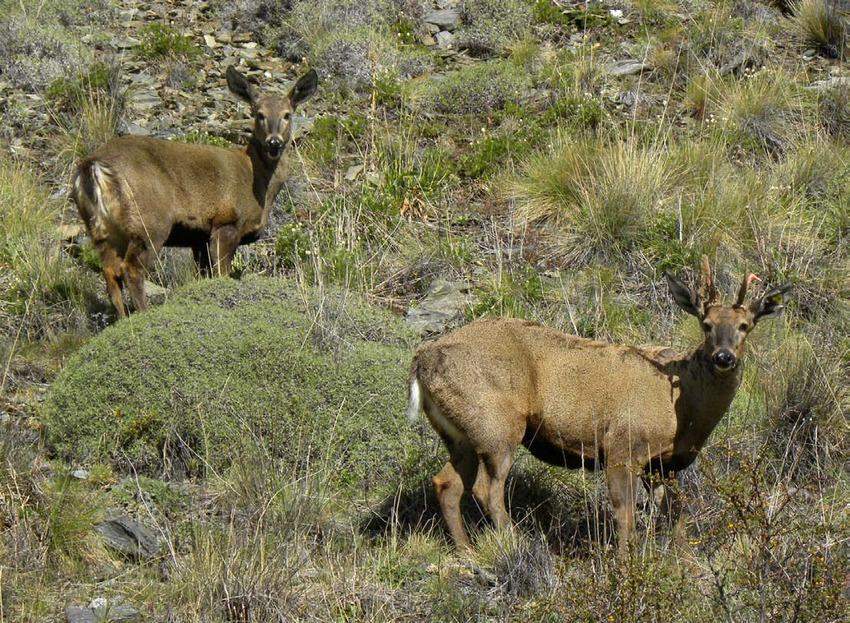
[272, 113]
[726, 326]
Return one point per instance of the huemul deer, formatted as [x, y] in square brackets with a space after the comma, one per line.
[495, 384]
[139, 194]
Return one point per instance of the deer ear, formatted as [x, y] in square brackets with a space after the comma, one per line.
[685, 298]
[304, 88]
[771, 304]
[239, 85]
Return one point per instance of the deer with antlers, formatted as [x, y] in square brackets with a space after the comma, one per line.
[495, 384]
[137, 194]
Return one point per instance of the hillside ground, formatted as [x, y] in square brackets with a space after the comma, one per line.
[543, 159]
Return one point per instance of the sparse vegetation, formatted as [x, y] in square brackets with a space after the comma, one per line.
[160, 41]
[821, 24]
[256, 426]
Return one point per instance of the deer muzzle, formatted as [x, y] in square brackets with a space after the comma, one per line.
[724, 359]
[274, 146]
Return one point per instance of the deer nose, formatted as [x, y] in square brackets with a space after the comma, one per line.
[274, 145]
[724, 359]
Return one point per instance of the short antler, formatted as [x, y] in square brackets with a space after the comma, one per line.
[708, 291]
[742, 291]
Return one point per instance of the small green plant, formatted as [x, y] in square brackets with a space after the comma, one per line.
[159, 41]
[585, 15]
[512, 295]
[388, 88]
[70, 94]
[331, 134]
[478, 88]
[292, 244]
[199, 137]
[408, 182]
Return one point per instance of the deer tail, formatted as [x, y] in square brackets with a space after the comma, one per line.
[92, 192]
[414, 402]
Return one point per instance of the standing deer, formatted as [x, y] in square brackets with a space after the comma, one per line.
[495, 384]
[139, 194]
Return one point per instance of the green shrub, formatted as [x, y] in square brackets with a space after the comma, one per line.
[160, 41]
[71, 93]
[477, 88]
[292, 244]
[227, 367]
[407, 179]
[205, 138]
[330, 135]
[489, 26]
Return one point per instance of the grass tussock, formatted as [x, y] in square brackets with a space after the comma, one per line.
[822, 25]
[603, 195]
[42, 292]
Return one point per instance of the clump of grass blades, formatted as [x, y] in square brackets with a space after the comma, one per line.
[603, 193]
[160, 41]
[42, 292]
[763, 115]
[821, 24]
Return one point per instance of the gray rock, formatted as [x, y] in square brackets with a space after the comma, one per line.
[129, 537]
[446, 19]
[444, 39]
[144, 99]
[301, 125]
[626, 68]
[133, 129]
[125, 43]
[157, 295]
[102, 610]
[836, 82]
[442, 308]
[80, 474]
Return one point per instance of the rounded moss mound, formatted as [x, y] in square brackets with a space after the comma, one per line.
[231, 367]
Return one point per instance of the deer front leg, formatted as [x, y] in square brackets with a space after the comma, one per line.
[222, 247]
[669, 498]
[622, 485]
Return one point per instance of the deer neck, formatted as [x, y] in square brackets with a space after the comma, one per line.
[704, 399]
[268, 176]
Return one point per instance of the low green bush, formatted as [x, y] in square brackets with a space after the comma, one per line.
[473, 89]
[230, 367]
[161, 41]
[489, 26]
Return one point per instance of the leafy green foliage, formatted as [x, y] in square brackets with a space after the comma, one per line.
[160, 41]
[227, 364]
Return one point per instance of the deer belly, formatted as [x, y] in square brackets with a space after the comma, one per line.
[560, 454]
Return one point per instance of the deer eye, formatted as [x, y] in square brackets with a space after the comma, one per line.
[286, 116]
[743, 326]
[261, 117]
[706, 327]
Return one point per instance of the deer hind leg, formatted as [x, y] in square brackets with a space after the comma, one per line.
[456, 476]
[201, 253]
[222, 247]
[113, 274]
[136, 260]
[481, 488]
[498, 466]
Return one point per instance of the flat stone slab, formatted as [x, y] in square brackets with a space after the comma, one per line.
[446, 19]
[626, 68]
[129, 537]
